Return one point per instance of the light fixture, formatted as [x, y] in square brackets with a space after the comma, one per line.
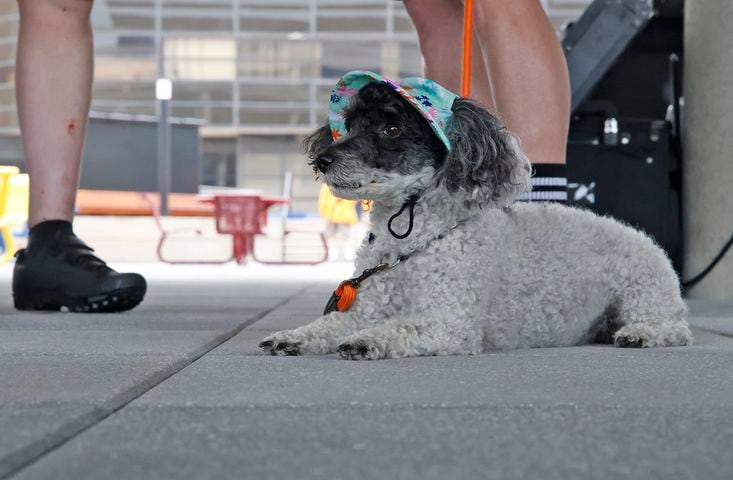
[163, 89]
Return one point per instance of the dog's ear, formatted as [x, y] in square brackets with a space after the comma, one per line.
[318, 141]
[485, 162]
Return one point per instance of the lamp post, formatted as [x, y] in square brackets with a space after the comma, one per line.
[163, 94]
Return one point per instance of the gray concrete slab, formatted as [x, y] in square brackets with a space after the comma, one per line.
[190, 320]
[399, 442]
[719, 325]
[87, 343]
[712, 316]
[301, 308]
[45, 399]
[589, 375]
[583, 412]
[60, 373]
[710, 308]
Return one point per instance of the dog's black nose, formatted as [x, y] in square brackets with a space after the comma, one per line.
[323, 162]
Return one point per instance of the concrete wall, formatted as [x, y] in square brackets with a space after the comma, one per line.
[708, 169]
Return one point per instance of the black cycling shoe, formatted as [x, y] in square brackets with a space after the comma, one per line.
[58, 271]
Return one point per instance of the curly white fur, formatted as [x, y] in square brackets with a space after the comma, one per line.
[533, 275]
[496, 277]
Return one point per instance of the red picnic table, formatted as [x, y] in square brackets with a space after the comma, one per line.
[241, 215]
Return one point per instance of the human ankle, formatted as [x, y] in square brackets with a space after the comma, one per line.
[47, 231]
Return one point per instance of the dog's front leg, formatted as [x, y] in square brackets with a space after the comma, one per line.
[431, 334]
[318, 337]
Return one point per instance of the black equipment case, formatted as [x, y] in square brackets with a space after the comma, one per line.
[606, 30]
[634, 180]
[624, 58]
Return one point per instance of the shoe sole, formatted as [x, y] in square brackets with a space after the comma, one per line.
[119, 300]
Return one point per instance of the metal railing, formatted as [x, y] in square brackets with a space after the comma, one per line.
[126, 32]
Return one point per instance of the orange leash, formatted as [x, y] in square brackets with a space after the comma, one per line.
[467, 36]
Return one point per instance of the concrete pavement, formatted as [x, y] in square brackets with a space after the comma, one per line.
[178, 389]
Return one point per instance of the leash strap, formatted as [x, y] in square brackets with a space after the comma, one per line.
[467, 41]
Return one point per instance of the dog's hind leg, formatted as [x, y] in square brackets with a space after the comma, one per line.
[318, 337]
[412, 337]
[651, 317]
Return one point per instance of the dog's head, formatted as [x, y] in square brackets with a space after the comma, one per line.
[391, 153]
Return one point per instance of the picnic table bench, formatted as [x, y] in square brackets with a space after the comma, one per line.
[239, 213]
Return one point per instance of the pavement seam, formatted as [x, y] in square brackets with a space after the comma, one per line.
[714, 332]
[15, 462]
[412, 406]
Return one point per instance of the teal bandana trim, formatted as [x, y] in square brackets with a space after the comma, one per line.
[433, 101]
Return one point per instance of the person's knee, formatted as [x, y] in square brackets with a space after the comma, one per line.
[56, 12]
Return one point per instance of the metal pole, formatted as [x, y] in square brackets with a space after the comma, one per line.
[236, 85]
[389, 24]
[163, 96]
[164, 155]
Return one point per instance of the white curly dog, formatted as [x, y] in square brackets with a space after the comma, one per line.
[475, 271]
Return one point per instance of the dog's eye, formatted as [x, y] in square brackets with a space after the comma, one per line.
[392, 131]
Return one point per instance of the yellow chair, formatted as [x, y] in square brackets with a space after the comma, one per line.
[13, 208]
[5, 172]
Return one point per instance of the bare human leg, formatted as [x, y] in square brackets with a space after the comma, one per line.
[526, 82]
[439, 25]
[54, 83]
[57, 270]
[529, 74]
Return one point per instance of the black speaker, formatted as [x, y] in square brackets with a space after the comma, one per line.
[633, 179]
[625, 62]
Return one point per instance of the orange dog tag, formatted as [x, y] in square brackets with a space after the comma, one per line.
[342, 297]
[346, 292]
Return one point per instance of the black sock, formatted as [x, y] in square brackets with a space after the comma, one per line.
[549, 184]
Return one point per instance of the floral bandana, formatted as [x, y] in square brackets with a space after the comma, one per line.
[432, 100]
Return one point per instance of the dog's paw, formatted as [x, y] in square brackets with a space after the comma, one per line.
[645, 335]
[632, 336]
[281, 343]
[629, 341]
[362, 349]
